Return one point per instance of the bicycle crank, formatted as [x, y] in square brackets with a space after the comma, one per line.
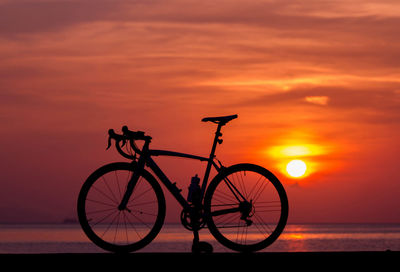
[186, 220]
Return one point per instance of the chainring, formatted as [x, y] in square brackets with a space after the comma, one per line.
[186, 219]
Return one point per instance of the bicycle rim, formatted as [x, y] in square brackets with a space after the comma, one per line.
[267, 211]
[110, 228]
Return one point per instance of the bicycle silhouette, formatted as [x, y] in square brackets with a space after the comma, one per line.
[121, 206]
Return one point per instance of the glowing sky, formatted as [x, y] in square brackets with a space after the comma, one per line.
[320, 78]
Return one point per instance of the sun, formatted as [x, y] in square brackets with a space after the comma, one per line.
[296, 168]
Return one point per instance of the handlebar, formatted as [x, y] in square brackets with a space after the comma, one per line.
[128, 135]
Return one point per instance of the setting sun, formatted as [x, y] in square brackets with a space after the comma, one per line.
[297, 157]
[296, 168]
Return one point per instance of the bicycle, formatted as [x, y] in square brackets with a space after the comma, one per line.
[121, 206]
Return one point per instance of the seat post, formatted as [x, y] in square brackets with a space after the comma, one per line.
[212, 155]
[216, 140]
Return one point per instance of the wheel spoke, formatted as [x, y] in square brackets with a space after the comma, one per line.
[103, 218]
[113, 200]
[108, 187]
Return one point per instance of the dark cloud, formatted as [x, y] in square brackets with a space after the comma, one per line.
[27, 17]
[30, 16]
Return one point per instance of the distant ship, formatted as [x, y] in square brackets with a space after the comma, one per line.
[70, 220]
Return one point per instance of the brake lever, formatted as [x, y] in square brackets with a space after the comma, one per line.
[109, 143]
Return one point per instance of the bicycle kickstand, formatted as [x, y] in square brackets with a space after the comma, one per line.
[198, 246]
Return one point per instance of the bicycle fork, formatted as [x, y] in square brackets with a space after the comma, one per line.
[137, 172]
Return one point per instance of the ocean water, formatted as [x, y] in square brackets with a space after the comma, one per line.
[69, 238]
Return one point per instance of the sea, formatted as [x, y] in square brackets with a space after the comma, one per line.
[69, 238]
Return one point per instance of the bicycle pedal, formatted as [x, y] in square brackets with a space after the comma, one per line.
[202, 247]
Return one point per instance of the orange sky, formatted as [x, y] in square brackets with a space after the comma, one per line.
[324, 76]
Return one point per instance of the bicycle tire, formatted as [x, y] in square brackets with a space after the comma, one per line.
[260, 233]
[134, 233]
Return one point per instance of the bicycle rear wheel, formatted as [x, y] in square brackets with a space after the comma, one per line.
[246, 207]
[108, 227]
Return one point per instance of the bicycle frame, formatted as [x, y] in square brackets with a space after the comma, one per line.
[175, 191]
[146, 159]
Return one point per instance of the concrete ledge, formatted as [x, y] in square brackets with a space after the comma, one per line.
[322, 261]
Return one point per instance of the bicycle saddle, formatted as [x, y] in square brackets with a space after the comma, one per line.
[220, 120]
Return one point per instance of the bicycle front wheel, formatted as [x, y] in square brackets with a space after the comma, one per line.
[246, 207]
[120, 230]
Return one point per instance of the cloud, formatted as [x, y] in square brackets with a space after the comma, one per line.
[355, 106]
[318, 100]
[319, 54]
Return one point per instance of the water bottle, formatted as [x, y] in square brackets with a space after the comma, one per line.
[194, 190]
